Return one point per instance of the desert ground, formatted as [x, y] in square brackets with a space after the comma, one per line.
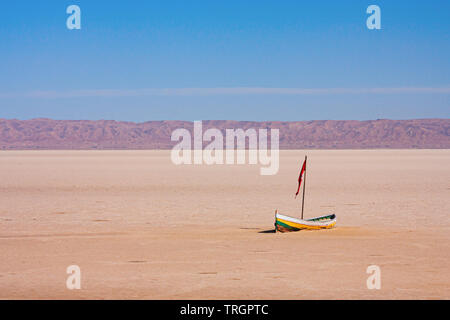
[140, 227]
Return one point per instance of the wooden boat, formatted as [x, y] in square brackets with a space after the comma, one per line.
[285, 223]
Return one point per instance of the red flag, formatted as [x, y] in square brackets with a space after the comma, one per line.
[300, 177]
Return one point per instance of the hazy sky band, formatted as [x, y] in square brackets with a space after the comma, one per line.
[222, 91]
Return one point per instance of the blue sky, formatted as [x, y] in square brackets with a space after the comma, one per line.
[242, 60]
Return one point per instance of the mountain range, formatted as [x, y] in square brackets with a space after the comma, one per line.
[317, 134]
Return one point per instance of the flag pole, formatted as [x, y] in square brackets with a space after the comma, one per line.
[304, 186]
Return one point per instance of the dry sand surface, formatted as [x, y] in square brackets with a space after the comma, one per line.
[140, 227]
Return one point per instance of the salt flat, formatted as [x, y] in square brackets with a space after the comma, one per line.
[140, 227]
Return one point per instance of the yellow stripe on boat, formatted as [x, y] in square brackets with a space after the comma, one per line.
[304, 226]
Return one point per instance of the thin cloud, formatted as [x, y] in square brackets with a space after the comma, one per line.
[221, 91]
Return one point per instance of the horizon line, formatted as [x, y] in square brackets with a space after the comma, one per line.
[223, 120]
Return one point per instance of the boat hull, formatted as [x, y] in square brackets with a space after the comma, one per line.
[287, 224]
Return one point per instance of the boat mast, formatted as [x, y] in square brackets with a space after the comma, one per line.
[304, 186]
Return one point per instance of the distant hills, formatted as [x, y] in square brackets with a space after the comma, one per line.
[326, 134]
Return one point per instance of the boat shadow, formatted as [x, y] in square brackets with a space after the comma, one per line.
[267, 231]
